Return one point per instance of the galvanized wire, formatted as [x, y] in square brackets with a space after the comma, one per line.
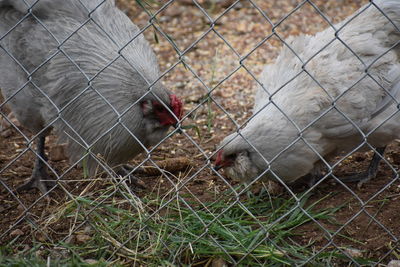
[179, 187]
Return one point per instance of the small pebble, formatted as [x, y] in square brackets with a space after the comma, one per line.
[41, 237]
[219, 262]
[81, 239]
[394, 263]
[91, 261]
[354, 253]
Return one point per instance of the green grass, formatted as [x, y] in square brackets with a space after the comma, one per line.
[125, 230]
[29, 258]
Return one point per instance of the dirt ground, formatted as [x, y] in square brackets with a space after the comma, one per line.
[373, 231]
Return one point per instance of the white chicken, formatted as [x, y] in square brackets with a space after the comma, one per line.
[339, 94]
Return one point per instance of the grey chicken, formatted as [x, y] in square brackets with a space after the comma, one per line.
[83, 68]
[339, 94]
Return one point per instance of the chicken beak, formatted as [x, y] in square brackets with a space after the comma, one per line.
[219, 163]
[217, 167]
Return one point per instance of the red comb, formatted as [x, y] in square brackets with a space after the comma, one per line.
[176, 106]
[218, 160]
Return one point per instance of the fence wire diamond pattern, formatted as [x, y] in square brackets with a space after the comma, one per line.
[294, 100]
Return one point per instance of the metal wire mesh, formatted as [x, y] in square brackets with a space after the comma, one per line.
[188, 212]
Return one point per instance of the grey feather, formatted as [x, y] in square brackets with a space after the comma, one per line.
[385, 103]
[81, 82]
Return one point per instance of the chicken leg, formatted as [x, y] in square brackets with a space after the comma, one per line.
[127, 171]
[39, 173]
[371, 172]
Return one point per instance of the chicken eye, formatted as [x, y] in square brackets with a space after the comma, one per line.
[159, 108]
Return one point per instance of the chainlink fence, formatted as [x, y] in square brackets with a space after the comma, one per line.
[182, 211]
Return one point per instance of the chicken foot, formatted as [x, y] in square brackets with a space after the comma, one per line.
[371, 172]
[126, 171]
[39, 178]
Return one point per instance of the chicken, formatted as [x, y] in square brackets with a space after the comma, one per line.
[83, 68]
[339, 94]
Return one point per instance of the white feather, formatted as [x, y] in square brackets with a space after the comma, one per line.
[298, 123]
